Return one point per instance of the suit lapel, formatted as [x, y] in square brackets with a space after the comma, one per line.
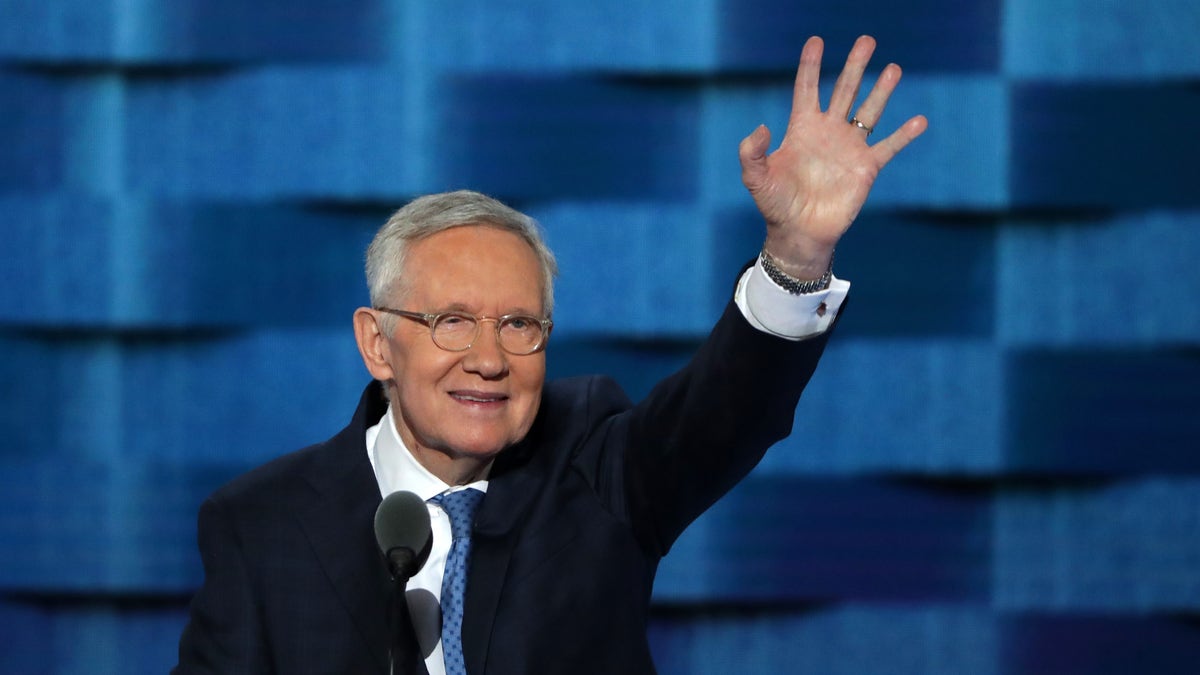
[514, 484]
[339, 523]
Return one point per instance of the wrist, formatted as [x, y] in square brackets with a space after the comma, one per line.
[798, 255]
[787, 279]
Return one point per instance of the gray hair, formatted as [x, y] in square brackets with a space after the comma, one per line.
[428, 215]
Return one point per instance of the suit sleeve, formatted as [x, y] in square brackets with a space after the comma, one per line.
[703, 429]
[224, 632]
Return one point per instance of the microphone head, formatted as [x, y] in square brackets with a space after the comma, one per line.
[403, 533]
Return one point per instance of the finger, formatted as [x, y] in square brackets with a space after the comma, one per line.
[752, 152]
[872, 108]
[845, 90]
[806, 96]
[886, 149]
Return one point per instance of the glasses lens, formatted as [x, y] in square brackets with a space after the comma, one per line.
[520, 334]
[454, 331]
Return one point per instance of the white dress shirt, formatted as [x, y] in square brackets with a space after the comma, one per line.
[765, 305]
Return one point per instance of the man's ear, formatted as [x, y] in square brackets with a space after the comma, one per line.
[373, 344]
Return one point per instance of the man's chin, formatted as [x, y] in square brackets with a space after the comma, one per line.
[483, 450]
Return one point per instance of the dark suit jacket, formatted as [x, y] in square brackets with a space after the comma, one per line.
[566, 543]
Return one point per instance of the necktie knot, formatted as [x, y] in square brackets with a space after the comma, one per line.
[460, 506]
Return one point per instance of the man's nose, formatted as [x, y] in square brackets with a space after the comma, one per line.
[485, 356]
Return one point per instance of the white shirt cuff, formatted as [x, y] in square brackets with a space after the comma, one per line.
[771, 309]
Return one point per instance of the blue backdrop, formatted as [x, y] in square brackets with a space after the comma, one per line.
[995, 470]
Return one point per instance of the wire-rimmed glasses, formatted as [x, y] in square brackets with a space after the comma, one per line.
[456, 331]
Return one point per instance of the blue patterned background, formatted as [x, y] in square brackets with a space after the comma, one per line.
[995, 470]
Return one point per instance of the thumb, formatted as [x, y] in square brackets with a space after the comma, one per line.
[752, 152]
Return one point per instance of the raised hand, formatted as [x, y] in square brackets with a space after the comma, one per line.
[812, 187]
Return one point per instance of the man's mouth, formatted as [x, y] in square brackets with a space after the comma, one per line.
[478, 397]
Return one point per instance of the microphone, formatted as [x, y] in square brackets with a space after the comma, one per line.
[403, 533]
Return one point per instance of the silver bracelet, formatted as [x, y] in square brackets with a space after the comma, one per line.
[790, 283]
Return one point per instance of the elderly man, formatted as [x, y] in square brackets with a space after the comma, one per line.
[551, 503]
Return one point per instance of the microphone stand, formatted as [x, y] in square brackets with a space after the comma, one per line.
[400, 623]
[402, 564]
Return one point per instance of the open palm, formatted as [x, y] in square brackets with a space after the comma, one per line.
[812, 187]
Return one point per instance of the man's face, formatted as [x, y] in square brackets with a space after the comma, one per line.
[474, 403]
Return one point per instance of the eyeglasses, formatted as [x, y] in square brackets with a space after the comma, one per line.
[517, 334]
